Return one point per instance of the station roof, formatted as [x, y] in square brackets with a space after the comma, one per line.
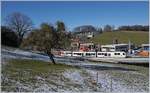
[145, 44]
[114, 45]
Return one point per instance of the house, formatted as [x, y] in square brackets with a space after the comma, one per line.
[86, 47]
[86, 31]
[145, 47]
[144, 50]
[77, 45]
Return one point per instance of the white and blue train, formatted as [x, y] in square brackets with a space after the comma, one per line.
[116, 54]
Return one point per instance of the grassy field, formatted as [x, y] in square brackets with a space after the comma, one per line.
[137, 38]
[27, 75]
[38, 76]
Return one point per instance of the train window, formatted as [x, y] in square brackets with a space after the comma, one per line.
[92, 54]
[117, 53]
[87, 54]
[123, 53]
[77, 53]
[68, 53]
[99, 53]
[109, 54]
[105, 54]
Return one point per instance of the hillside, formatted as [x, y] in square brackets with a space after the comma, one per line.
[137, 38]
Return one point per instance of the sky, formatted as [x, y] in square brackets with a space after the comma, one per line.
[73, 14]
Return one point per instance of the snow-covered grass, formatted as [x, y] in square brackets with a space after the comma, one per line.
[27, 71]
[32, 75]
[120, 81]
[38, 76]
[74, 76]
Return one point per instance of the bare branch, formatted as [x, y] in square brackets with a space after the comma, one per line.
[19, 23]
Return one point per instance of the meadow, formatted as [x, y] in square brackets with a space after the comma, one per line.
[135, 37]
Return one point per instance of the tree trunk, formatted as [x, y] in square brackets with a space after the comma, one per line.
[19, 40]
[51, 56]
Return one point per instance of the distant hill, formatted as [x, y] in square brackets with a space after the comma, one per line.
[136, 37]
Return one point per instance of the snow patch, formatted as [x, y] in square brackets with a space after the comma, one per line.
[74, 76]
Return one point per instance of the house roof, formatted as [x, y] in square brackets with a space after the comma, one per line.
[85, 28]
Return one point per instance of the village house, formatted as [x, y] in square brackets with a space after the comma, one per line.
[86, 31]
[115, 47]
[144, 50]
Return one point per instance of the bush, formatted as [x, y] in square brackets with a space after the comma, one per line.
[8, 37]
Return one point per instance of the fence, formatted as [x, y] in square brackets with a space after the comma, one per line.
[96, 80]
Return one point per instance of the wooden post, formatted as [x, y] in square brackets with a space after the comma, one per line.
[111, 84]
[97, 77]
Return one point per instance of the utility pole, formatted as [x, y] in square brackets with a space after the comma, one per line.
[129, 49]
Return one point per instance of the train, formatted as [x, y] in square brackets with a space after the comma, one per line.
[116, 54]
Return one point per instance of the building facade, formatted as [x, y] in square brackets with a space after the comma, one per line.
[115, 47]
[86, 31]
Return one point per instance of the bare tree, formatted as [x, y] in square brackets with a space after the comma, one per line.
[19, 23]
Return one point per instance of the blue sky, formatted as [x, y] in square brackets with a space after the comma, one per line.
[79, 13]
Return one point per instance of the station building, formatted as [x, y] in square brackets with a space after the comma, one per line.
[115, 47]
